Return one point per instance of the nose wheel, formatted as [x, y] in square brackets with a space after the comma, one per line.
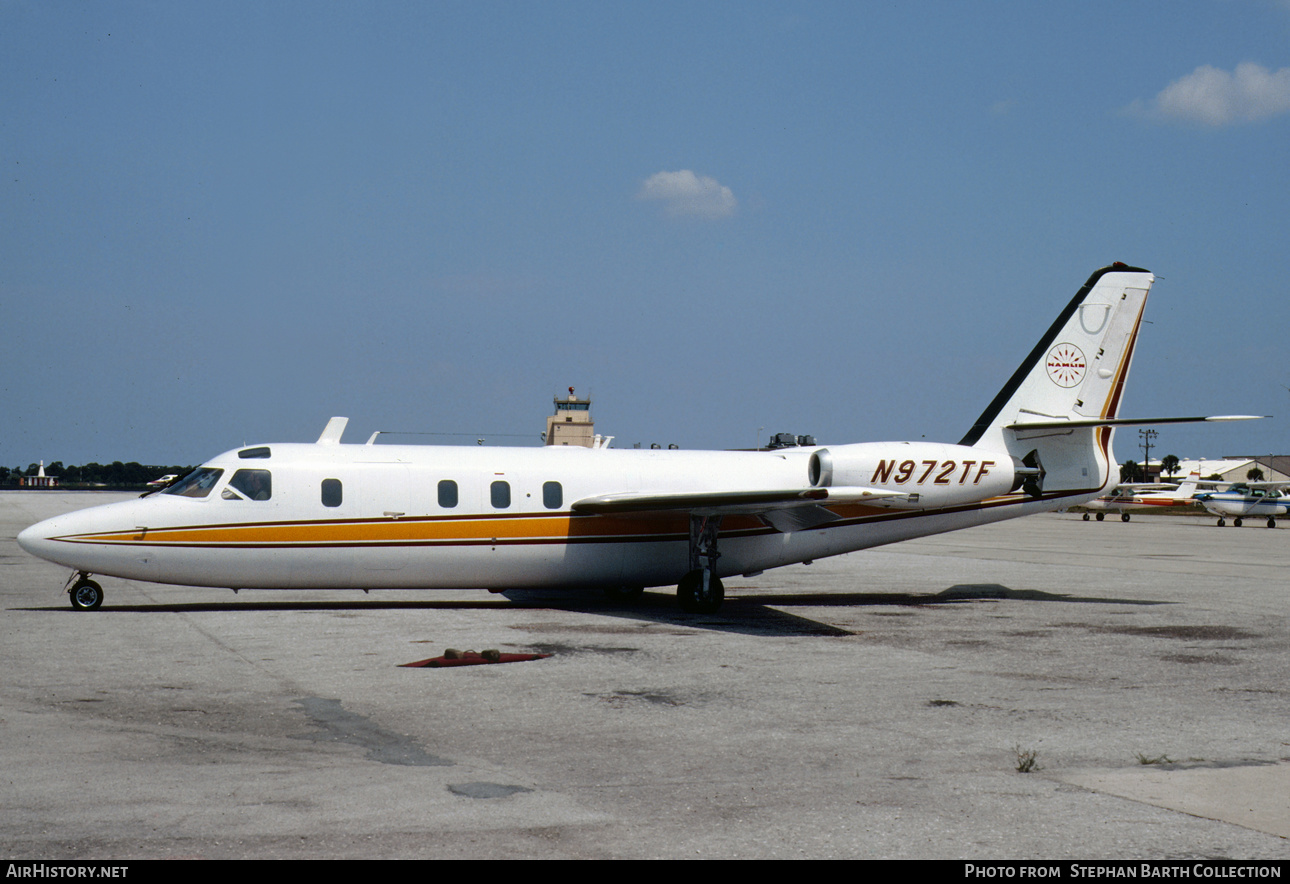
[84, 593]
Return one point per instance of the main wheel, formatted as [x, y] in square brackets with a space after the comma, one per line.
[1124, 517]
[1236, 522]
[86, 595]
[1101, 516]
[1272, 523]
[694, 599]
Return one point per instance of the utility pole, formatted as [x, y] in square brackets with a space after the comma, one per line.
[1147, 436]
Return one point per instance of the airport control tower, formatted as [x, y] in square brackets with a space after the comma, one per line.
[571, 424]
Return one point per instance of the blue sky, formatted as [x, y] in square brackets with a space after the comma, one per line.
[224, 223]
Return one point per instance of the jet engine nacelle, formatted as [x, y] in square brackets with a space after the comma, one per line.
[930, 474]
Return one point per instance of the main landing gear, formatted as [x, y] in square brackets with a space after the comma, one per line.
[700, 591]
[84, 593]
[1236, 523]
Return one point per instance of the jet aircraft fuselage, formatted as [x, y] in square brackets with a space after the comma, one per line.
[330, 515]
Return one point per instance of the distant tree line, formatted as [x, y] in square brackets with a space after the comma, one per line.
[115, 474]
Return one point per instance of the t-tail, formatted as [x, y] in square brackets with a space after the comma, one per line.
[1057, 413]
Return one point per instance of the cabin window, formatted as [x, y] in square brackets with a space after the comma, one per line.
[447, 494]
[552, 495]
[501, 495]
[198, 483]
[332, 493]
[253, 484]
[251, 453]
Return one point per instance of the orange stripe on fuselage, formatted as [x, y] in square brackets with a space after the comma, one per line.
[475, 530]
[561, 527]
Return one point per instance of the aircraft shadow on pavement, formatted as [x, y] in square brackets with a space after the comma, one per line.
[754, 614]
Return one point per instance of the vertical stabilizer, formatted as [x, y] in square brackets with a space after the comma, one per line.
[1077, 370]
[1075, 373]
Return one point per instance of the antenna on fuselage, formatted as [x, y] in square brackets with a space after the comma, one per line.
[333, 431]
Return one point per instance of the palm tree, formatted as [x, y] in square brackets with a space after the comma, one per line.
[1130, 471]
[1169, 465]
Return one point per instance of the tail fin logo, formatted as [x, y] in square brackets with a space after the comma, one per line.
[1066, 365]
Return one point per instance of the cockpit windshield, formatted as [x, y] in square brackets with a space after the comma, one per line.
[198, 483]
[253, 485]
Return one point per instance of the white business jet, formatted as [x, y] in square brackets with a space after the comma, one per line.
[329, 515]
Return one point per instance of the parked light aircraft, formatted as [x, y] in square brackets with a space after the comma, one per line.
[1126, 496]
[1242, 500]
[328, 515]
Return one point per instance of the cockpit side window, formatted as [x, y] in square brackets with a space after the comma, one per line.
[253, 484]
[198, 483]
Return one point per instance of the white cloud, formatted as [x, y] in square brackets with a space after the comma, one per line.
[684, 193]
[1218, 98]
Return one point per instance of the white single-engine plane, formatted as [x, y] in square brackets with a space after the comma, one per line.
[328, 515]
[1245, 500]
[1144, 495]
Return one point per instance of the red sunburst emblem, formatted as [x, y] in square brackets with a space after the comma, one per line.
[1066, 365]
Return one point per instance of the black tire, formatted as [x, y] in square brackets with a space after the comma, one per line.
[1222, 522]
[1272, 523]
[86, 596]
[690, 595]
[1101, 516]
[1086, 517]
[1124, 517]
[1236, 523]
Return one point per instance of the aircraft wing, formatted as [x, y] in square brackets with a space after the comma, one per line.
[728, 502]
[785, 510]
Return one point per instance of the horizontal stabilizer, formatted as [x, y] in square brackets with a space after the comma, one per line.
[1126, 421]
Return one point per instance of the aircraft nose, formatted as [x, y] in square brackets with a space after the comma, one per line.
[35, 539]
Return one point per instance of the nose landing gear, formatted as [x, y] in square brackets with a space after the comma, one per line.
[84, 593]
